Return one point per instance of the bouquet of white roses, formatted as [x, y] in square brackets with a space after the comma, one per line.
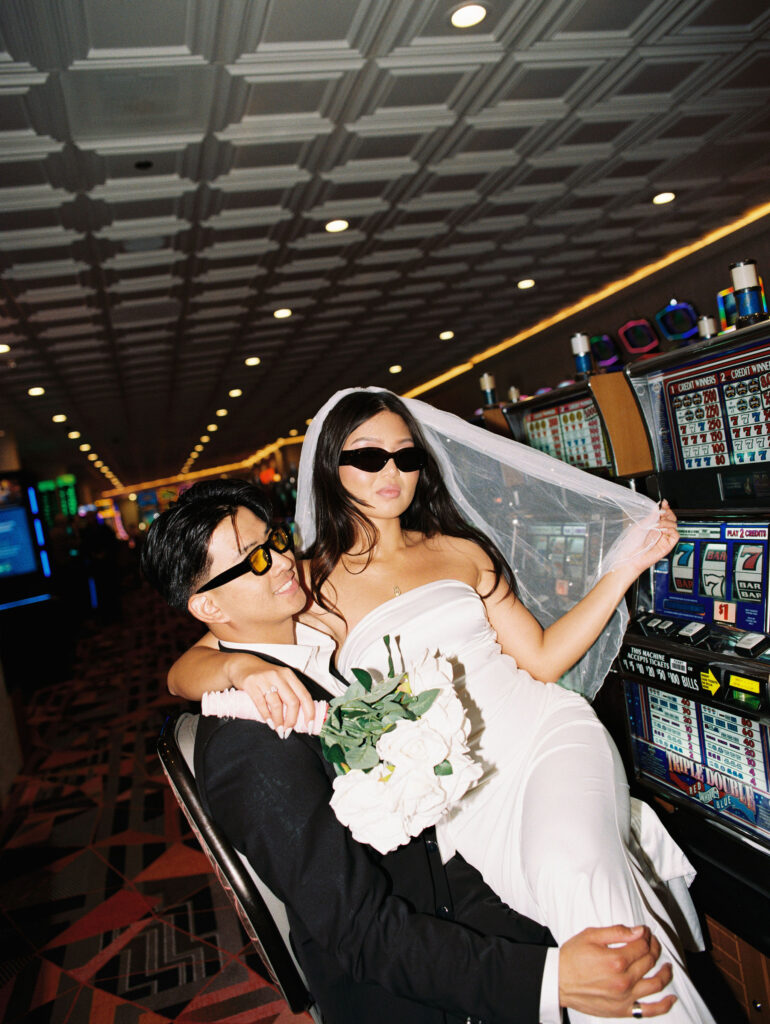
[398, 746]
[400, 750]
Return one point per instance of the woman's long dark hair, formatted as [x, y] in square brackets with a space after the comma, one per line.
[339, 521]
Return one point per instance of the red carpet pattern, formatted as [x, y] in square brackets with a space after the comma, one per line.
[109, 911]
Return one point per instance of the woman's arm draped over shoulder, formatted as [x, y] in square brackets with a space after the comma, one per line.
[203, 667]
[548, 653]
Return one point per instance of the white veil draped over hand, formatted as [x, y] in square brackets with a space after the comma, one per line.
[560, 528]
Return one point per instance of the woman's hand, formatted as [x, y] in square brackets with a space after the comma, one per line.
[657, 542]
[275, 690]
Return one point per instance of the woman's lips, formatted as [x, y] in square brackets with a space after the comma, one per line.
[389, 492]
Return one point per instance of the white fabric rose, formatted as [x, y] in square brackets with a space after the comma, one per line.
[413, 745]
[465, 773]
[361, 801]
[418, 796]
[447, 716]
[430, 673]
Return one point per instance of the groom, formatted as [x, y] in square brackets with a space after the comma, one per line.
[400, 937]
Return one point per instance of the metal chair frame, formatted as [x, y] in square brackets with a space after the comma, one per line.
[262, 914]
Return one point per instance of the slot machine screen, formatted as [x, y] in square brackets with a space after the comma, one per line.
[713, 412]
[716, 573]
[17, 548]
[571, 432]
[570, 553]
[23, 559]
[704, 757]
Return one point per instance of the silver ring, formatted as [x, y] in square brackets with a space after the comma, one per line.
[636, 1010]
[273, 689]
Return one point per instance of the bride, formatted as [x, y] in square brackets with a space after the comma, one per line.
[392, 550]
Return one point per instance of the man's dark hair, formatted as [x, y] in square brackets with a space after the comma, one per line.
[175, 556]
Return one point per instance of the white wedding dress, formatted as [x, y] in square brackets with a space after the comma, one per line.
[550, 824]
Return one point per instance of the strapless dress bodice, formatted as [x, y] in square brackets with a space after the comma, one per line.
[446, 616]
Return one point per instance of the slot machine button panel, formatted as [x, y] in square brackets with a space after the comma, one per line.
[692, 632]
[752, 644]
[666, 627]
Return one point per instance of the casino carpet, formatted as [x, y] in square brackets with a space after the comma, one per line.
[108, 909]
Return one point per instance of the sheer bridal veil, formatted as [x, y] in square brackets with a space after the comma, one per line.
[559, 527]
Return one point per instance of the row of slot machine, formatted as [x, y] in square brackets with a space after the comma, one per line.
[693, 719]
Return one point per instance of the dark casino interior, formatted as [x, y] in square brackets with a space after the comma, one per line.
[550, 218]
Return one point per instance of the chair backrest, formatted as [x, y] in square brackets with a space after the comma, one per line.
[262, 914]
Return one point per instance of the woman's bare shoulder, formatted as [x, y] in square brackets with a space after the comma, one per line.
[461, 545]
[470, 560]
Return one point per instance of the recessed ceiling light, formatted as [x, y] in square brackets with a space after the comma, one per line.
[199, 447]
[281, 314]
[252, 361]
[92, 456]
[193, 455]
[132, 496]
[235, 393]
[337, 225]
[59, 418]
[205, 438]
[447, 335]
[5, 348]
[664, 197]
[525, 283]
[221, 412]
[468, 15]
[308, 422]
[35, 392]
[293, 432]
[73, 435]
[211, 427]
[85, 447]
[395, 368]
[99, 464]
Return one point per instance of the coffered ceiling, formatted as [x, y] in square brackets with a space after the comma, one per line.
[167, 168]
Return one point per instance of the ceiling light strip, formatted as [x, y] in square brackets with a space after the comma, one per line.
[231, 467]
[590, 300]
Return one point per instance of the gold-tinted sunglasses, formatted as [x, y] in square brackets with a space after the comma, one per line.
[258, 559]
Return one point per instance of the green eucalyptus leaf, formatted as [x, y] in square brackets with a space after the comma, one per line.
[363, 758]
[391, 670]
[420, 704]
[334, 753]
[363, 678]
[445, 768]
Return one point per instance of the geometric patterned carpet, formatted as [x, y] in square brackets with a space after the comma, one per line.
[109, 912]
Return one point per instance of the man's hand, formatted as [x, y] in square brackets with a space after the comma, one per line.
[275, 690]
[602, 972]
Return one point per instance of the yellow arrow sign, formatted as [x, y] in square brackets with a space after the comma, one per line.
[709, 682]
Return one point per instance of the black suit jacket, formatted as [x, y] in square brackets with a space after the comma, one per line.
[381, 938]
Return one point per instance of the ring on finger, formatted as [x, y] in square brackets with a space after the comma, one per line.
[636, 1010]
[273, 689]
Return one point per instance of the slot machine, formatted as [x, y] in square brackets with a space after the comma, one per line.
[24, 564]
[693, 721]
[27, 604]
[594, 424]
